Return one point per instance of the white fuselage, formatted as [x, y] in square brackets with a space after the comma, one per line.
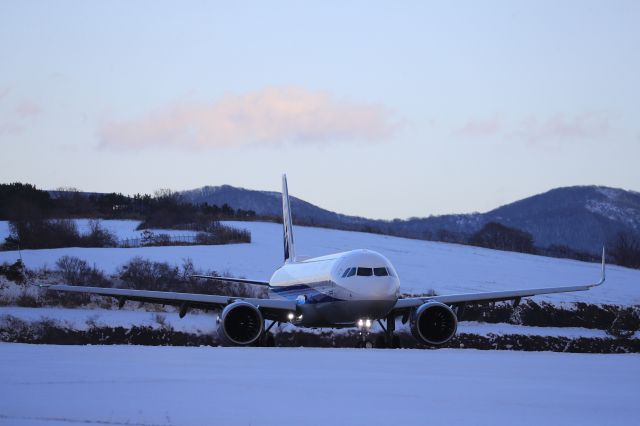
[338, 289]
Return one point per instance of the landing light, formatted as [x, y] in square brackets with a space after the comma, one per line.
[364, 323]
[290, 316]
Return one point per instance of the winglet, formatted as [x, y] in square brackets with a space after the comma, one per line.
[603, 271]
[603, 277]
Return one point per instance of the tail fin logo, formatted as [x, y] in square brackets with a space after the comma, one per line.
[289, 249]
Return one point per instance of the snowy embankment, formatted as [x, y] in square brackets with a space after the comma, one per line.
[421, 265]
[246, 386]
[205, 323]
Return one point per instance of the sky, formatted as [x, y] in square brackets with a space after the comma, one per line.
[378, 109]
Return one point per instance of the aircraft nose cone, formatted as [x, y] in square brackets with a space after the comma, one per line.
[386, 289]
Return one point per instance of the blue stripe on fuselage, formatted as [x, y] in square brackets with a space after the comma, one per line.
[312, 295]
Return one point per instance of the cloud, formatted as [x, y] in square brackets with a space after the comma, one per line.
[8, 128]
[14, 117]
[27, 109]
[586, 126]
[479, 128]
[269, 116]
[533, 129]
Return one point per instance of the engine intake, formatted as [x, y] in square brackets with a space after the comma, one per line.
[241, 324]
[433, 323]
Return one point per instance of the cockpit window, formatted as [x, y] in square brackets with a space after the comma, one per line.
[352, 272]
[380, 272]
[346, 272]
[365, 272]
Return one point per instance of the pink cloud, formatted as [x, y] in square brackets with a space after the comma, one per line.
[269, 116]
[10, 128]
[14, 120]
[27, 109]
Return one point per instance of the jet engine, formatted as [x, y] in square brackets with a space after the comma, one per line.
[433, 323]
[240, 324]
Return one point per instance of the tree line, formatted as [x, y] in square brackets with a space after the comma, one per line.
[42, 219]
[23, 201]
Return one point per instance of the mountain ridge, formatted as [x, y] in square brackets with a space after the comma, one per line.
[580, 217]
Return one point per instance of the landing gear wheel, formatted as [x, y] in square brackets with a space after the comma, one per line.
[368, 344]
[395, 343]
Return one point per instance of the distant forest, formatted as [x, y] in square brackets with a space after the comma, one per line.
[20, 203]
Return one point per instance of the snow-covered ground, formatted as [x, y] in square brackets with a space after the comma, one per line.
[59, 385]
[81, 319]
[205, 323]
[422, 265]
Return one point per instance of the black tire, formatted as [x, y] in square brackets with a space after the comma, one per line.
[267, 341]
[395, 342]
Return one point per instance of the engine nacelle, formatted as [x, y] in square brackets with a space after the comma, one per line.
[433, 323]
[240, 324]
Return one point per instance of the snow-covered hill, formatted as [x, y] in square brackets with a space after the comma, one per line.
[422, 265]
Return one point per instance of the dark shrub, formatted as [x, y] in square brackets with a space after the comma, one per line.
[98, 236]
[14, 272]
[76, 271]
[27, 301]
[37, 234]
[41, 234]
[146, 275]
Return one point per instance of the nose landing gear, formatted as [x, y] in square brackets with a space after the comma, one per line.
[364, 335]
[387, 340]
[364, 340]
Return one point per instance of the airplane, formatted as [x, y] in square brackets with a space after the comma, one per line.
[349, 289]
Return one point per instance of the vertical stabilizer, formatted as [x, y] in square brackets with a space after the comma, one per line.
[289, 248]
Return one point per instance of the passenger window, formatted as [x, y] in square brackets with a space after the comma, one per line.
[352, 272]
[365, 272]
[380, 272]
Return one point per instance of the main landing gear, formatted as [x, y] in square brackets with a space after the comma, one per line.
[267, 339]
[389, 340]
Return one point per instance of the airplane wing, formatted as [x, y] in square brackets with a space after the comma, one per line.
[273, 309]
[231, 280]
[495, 296]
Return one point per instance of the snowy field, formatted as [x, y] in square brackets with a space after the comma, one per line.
[422, 265]
[61, 385]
